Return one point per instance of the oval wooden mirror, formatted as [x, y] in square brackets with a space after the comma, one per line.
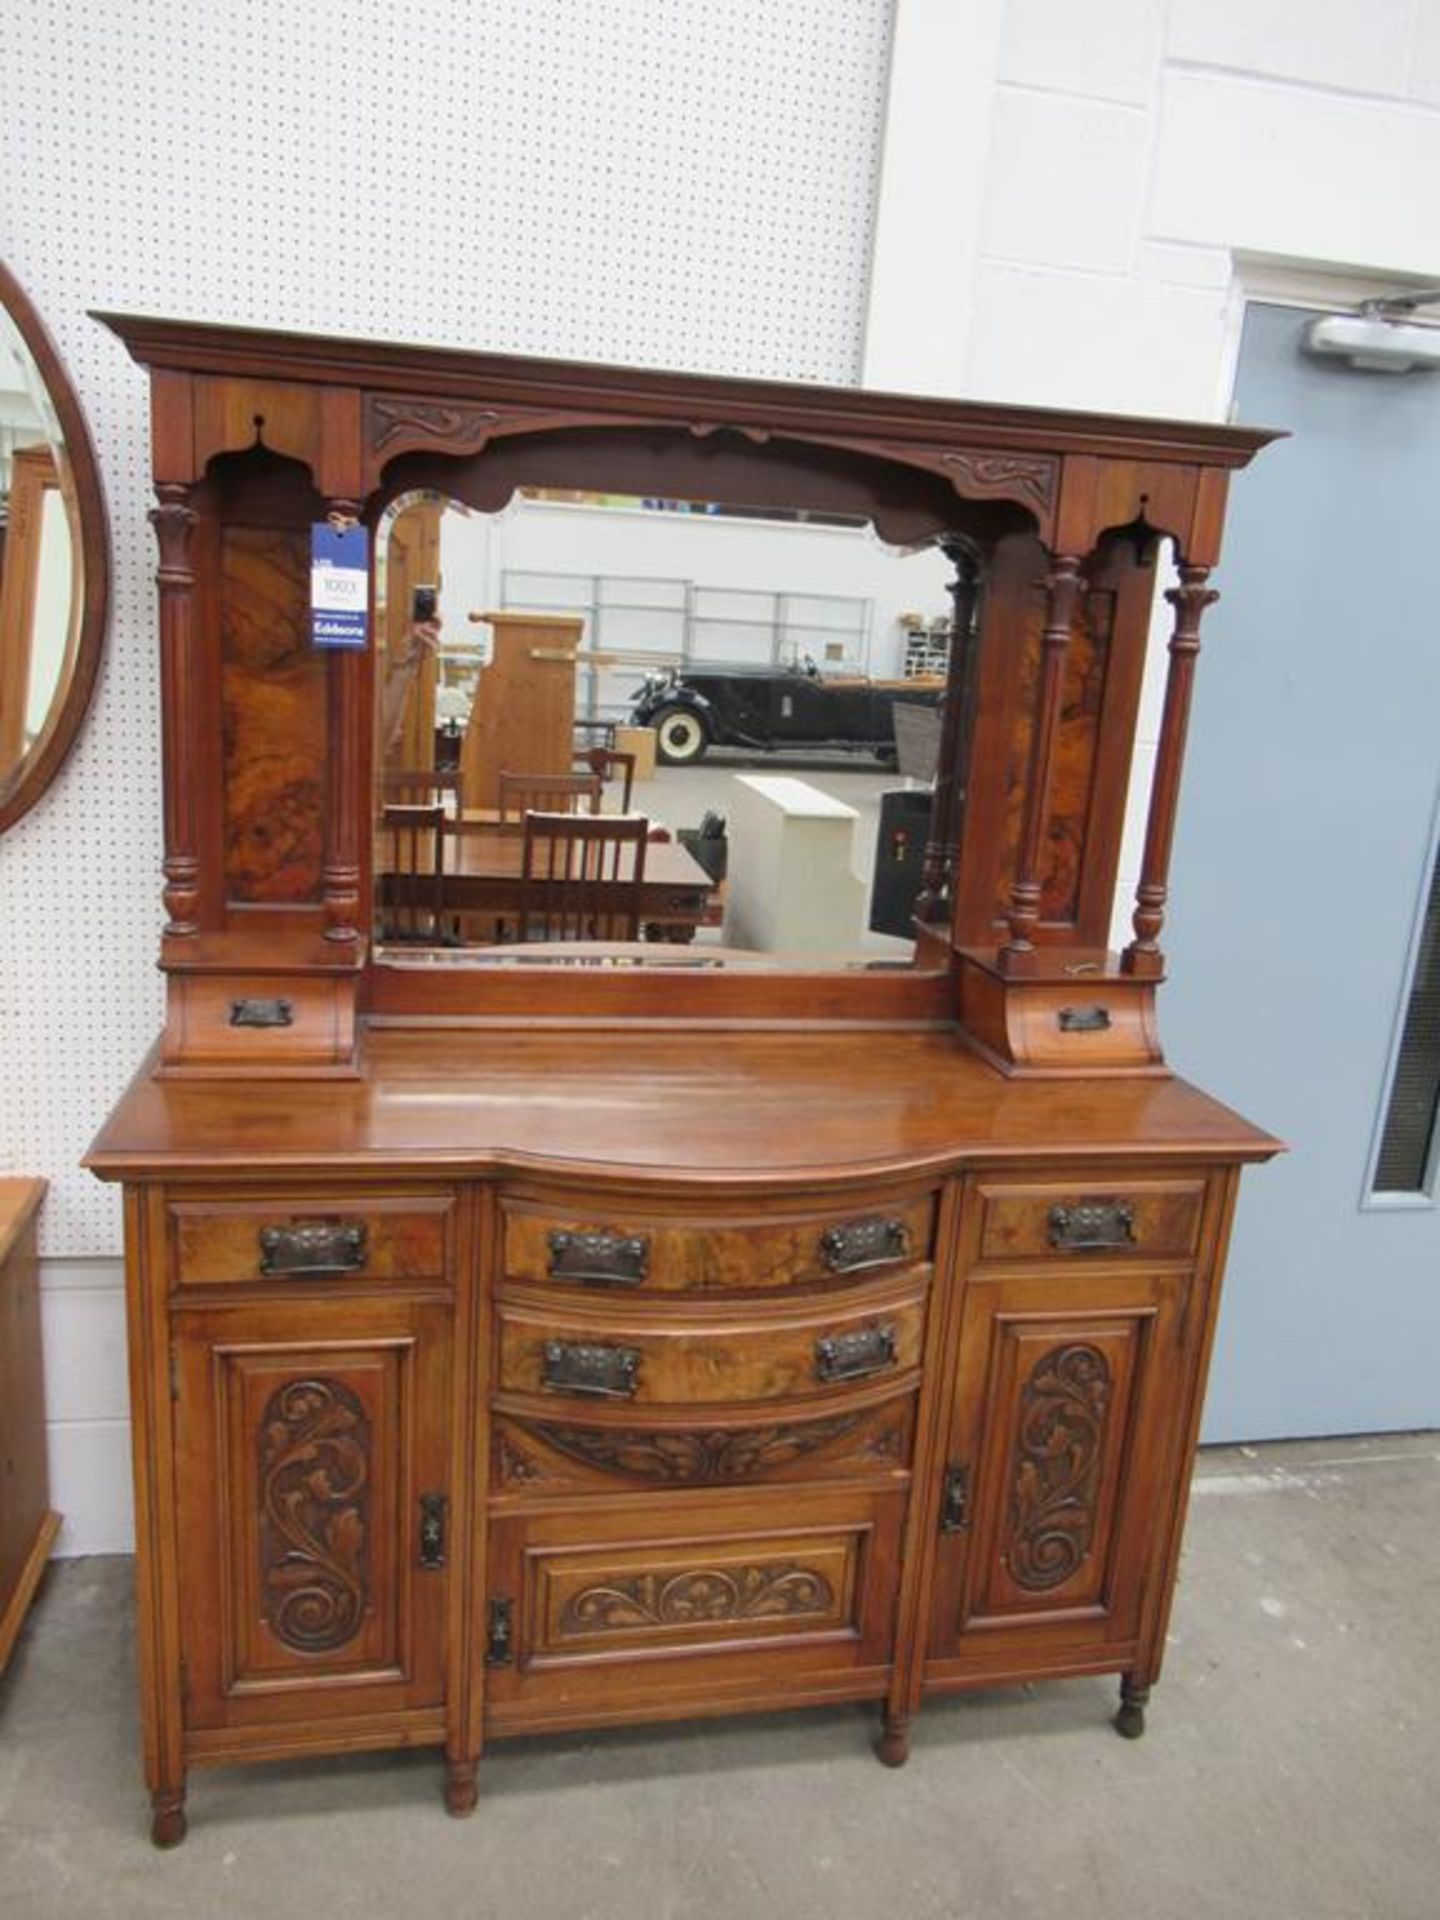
[54, 558]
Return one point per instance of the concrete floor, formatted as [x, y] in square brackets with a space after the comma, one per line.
[1289, 1769]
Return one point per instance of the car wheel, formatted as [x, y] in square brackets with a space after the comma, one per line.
[680, 736]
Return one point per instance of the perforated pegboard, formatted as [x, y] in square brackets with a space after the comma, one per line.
[668, 182]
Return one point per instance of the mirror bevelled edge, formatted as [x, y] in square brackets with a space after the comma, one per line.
[22, 786]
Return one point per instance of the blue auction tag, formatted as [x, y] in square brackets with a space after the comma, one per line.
[339, 585]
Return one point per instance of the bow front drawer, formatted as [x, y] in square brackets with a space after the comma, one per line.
[724, 1358]
[671, 1252]
[1097, 1218]
[324, 1237]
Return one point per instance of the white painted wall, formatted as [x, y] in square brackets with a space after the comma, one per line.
[800, 559]
[1143, 161]
[1066, 188]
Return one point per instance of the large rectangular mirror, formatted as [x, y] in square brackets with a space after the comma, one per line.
[608, 722]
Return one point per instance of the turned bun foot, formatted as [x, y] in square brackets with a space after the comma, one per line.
[167, 1819]
[461, 1790]
[892, 1748]
[1130, 1717]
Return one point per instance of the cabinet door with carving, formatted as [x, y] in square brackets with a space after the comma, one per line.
[1061, 1469]
[643, 1608]
[313, 1453]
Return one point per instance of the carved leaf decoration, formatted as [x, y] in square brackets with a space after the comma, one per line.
[314, 1530]
[1030, 478]
[418, 422]
[696, 1456]
[1056, 1475]
[705, 1594]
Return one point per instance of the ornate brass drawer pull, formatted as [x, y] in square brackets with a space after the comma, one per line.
[857, 1244]
[609, 1373]
[1093, 1226]
[319, 1247]
[599, 1259]
[855, 1355]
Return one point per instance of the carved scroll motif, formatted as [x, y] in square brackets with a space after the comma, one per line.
[315, 1514]
[1053, 1493]
[690, 1456]
[427, 423]
[706, 1594]
[1031, 478]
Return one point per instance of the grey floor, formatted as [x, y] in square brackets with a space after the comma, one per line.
[1291, 1766]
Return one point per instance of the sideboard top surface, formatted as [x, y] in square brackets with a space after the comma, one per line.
[655, 1104]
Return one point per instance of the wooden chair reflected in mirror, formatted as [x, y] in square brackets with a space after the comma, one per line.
[414, 880]
[525, 793]
[609, 766]
[425, 787]
[581, 875]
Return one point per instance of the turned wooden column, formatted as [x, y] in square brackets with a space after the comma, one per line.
[934, 900]
[1064, 588]
[340, 875]
[1189, 599]
[174, 523]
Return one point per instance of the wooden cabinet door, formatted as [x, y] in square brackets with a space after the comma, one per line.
[313, 1469]
[1062, 1458]
[651, 1606]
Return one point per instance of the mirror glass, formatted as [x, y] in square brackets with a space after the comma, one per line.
[52, 558]
[614, 730]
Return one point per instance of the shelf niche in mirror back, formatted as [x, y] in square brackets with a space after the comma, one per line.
[604, 1278]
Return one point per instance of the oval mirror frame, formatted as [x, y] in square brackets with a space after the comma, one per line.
[20, 789]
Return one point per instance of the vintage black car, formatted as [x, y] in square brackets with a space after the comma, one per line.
[771, 708]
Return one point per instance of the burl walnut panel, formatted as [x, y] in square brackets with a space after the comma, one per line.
[273, 708]
[574, 1360]
[288, 1237]
[700, 1252]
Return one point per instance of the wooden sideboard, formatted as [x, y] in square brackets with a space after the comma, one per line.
[525, 1347]
[27, 1524]
[538, 1382]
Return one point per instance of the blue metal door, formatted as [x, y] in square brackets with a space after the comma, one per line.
[1306, 848]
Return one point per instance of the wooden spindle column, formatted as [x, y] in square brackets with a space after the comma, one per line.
[340, 875]
[1190, 599]
[1064, 587]
[933, 902]
[174, 523]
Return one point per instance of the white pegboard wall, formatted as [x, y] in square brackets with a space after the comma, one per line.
[687, 183]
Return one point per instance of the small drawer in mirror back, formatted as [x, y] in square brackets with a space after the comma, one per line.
[325, 1238]
[716, 1253]
[1094, 1219]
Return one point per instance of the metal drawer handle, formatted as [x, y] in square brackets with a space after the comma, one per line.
[262, 1013]
[599, 1259]
[855, 1245]
[609, 1373]
[854, 1355]
[320, 1247]
[1083, 1019]
[1094, 1225]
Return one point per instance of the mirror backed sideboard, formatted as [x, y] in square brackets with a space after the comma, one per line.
[536, 1333]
